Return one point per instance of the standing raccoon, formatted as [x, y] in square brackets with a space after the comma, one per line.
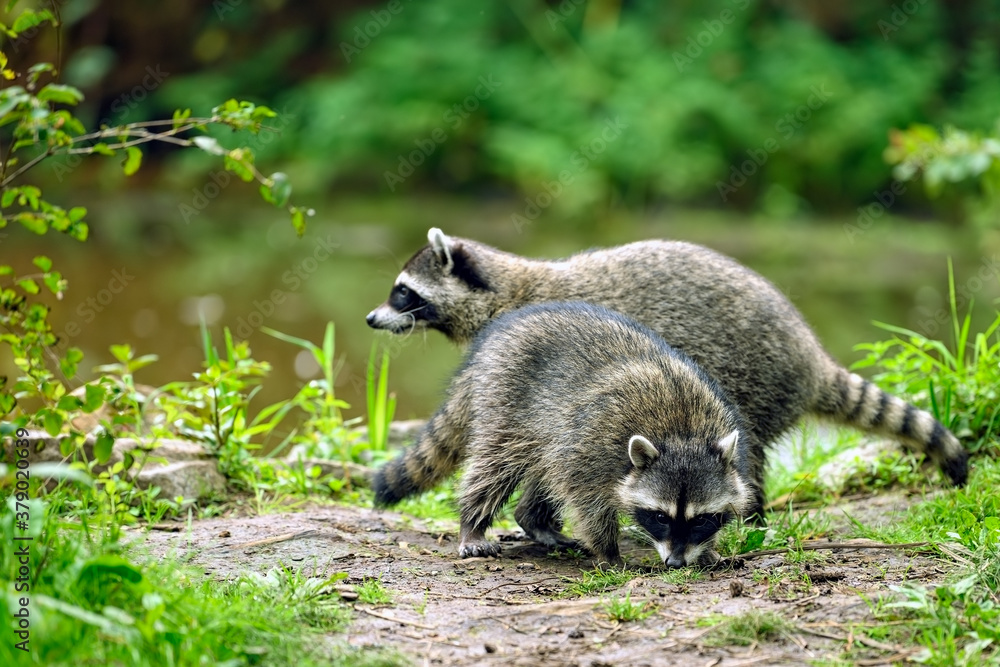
[733, 323]
[592, 415]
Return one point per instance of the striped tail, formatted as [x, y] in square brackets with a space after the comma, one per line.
[854, 401]
[439, 450]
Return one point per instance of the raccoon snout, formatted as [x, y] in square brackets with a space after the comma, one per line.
[371, 319]
[675, 561]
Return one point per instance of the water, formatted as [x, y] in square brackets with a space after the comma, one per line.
[147, 275]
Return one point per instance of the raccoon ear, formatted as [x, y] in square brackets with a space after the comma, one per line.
[727, 446]
[441, 245]
[641, 451]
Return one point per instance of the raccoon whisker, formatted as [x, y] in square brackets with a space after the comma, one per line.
[640, 535]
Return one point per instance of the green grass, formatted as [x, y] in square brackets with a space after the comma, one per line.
[681, 576]
[624, 610]
[93, 604]
[371, 591]
[752, 627]
[599, 581]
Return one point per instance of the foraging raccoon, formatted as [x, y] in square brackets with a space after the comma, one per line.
[732, 322]
[591, 414]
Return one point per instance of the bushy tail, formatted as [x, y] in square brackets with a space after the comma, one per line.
[438, 451]
[852, 400]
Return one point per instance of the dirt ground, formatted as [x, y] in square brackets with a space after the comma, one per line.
[516, 610]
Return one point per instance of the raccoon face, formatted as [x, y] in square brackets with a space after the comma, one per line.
[441, 287]
[683, 500]
[405, 310]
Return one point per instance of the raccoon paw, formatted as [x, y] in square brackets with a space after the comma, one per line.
[478, 549]
[555, 540]
[709, 558]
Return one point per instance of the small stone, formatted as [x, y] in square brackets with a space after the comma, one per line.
[735, 588]
[575, 634]
[527, 566]
[225, 533]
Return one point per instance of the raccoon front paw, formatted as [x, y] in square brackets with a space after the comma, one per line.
[479, 549]
[709, 558]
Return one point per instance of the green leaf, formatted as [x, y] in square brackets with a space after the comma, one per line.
[68, 403]
[109, 569]
[28, 285]
[180, 115]
[753, 541]
[9, 196]
[133, 158]
[102, 148]
[42, 262]
[7, 403]
[103, 446]
[121, 352]
[93, 397]
[60, 94]
[52, 422]
[29, 19]
[298, 221]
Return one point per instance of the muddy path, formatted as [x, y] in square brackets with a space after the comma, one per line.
[523, 609]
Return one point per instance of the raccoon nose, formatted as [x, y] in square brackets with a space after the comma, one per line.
[371, 319]
[675, 561]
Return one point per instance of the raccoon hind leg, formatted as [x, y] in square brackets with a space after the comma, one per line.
[540, 520]
[486, 487]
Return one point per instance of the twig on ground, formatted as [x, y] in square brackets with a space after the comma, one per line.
[386, 617]
[825, 546]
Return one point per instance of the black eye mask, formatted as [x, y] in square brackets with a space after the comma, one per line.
[663, 527]
[405, 300]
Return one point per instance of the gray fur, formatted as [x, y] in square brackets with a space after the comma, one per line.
[605, 422]
[732, 322]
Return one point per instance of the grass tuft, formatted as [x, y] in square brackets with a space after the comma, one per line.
[371, 591]
[752, 627]
[624, 610]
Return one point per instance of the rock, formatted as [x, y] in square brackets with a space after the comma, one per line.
[402, 433]
[834, 473]
[360, 475]
[190, 479]
[89, 422]
[178, 467]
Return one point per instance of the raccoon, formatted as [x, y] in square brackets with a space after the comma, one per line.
[733, 323]
[608, 421]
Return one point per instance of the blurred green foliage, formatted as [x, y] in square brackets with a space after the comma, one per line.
[762, 105]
